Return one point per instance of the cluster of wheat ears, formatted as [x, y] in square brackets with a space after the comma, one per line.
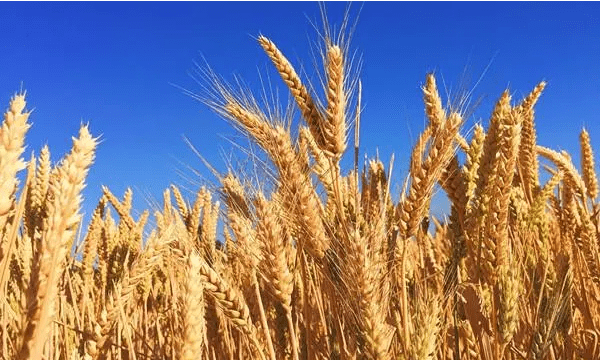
[316, 262]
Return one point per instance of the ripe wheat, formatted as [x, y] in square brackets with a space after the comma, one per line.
[317, 261]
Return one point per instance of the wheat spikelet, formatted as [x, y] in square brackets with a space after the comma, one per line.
[275, 265]
[498, 222]
[39, 192]
[473, 161]
[373, 202]
[433, 104]
[536, 210]
[235, 195]
[453, 182]
[232, 304]
[122, 208]
[181, 205]
[416, 160]
[510, 290]
[334, 129]
[588, 165]
[192, 221]
[12, 137]
[127, 200]
[365, 275]
[276, 260]
[210, 218]
[29, 215]
[497, 154]
[572, 176]
[528, 164]
[91, 242]
[426, 332]
[307, 106]
[413, 208]
[193, 309]
[167, 212]
[24, 245]
[300, 198]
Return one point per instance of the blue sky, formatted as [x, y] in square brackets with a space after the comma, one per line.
[115, 65]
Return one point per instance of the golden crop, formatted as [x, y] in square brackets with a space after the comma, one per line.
[321, 264]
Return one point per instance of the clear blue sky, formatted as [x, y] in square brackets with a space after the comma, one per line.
[114, 65]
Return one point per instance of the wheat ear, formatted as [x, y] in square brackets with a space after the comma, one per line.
[528, 163]
[63, 218]
[334, 129]
[12, 138]
[307, 106]
[433, 104]
[232, 304]
[588, 165]
[571, 175]
[194, 326]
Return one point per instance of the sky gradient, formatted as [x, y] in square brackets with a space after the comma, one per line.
[120, 67]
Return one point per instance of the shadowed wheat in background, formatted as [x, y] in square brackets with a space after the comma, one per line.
[317, 262]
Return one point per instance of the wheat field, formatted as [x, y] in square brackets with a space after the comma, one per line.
[317, 262]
